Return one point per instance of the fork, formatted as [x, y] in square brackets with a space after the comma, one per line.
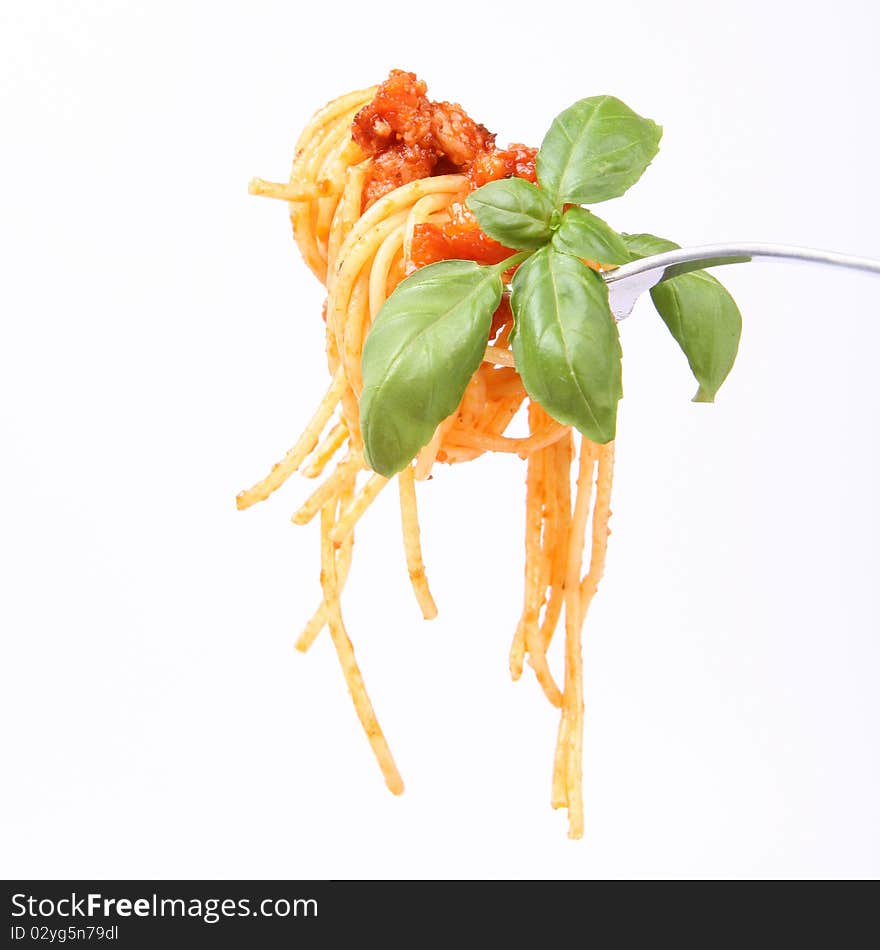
[629, 281]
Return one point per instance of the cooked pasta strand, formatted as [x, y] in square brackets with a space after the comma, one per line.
[318, 620]
[532, 569]
[291, 191]
[573, 698]
[282, 470]
[499, 443]
[325, 451]
[600, 530]
[345, 652]
[412, 543]
[355, 510]
[557, 546]
[328, 488]
[315, 625]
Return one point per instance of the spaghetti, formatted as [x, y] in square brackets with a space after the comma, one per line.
[376, 191]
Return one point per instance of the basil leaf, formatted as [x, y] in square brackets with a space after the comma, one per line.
[425, 344]
[595, 150]
[643, 245]
[700, 314]
[566, 347]
[584, 235]
[514, 212]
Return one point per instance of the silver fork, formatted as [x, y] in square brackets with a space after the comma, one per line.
[629, 281]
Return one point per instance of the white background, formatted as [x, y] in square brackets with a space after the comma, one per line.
[162, 346]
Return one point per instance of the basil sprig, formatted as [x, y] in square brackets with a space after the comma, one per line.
[430, 335]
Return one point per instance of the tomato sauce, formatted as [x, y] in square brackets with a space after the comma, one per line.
[458, 239]
[409, 137]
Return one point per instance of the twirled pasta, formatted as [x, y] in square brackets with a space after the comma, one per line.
[360, 255]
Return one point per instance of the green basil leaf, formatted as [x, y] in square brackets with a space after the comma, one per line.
[566, 347]
[595, 150]
[584, 235]
[700, 314]
[644, 245]
[514, 212]
[425, 344]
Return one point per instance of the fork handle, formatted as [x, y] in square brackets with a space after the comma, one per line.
[628, 282]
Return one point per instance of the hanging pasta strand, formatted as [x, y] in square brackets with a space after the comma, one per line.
[541, 518]
[325, 451]
[409, 516]
[531, 603]
[571, 733]
[555, 549]
[318, 620]
[303, 446]
[600, 530]
[345, 652]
